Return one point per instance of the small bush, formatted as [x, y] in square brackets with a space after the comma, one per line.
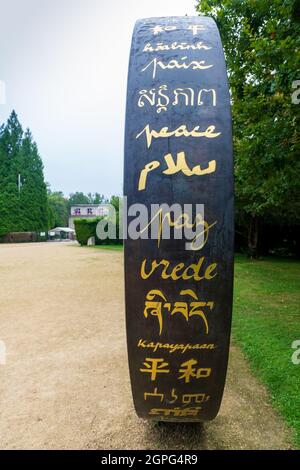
[110, 241]
[85, 229]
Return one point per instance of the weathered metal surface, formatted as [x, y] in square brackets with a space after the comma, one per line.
[178, 316]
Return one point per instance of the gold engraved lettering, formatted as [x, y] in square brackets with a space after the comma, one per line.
[154, 366]
[182, 221]
[188, 371]
[187, 398]
[181, 131]
[176, 412]
[160, 29]
[154, 394]
[161, 97]
[183, 46]
[175, 64]
[155, 307]
[173, 348]
[179, 271]
[173, 168]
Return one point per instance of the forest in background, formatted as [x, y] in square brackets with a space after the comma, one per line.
[27, 203]
[261, 42]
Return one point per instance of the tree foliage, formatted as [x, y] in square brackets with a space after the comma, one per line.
[81, 198]
[59, 205]
[85, 229]
[261, 41]
[23, 194]
[58, 209]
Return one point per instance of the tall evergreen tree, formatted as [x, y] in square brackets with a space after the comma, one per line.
[23, 195]
[10, 143]
[58, 209]
[33, 192]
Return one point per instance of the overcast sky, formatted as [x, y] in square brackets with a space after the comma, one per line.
[64, 64]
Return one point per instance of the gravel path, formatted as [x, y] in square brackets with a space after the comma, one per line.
[65, 383]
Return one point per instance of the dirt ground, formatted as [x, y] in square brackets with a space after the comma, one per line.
[65, 384]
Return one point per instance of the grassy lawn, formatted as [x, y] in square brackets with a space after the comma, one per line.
[266, 321]
[108, 247]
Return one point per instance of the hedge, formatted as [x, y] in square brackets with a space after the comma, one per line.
[19, 237]
[85, 229]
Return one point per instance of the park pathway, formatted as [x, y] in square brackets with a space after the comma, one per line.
[65, 383]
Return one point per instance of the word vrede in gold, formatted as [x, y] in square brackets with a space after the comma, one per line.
[179, 271]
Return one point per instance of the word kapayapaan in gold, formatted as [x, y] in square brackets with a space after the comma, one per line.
[172, 348]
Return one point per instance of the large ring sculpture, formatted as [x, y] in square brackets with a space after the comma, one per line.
[178, 150]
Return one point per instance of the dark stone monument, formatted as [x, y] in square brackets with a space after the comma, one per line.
[178, 150]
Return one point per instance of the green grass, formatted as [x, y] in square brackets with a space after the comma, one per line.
[108, 247]
[266, 320]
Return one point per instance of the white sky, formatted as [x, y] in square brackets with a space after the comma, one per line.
[64, 64]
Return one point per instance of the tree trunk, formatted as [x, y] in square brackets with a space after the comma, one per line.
[253, 237]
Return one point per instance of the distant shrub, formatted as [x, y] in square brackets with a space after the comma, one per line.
[19, 237]
[85, 229]
[110, 241]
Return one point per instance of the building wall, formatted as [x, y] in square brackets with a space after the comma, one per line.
[86, 211]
